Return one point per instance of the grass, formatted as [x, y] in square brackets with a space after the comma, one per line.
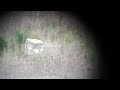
[3, 45]
[16, 41]
[20, 37]
[64, 34]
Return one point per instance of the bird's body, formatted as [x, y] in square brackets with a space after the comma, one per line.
[35, 41]
[34, 45]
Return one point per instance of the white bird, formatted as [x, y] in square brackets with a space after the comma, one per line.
[34, 45]
[35, 41]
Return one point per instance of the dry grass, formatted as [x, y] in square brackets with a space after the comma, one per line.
[65, 47]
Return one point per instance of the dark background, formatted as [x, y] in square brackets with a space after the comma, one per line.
[104, 26]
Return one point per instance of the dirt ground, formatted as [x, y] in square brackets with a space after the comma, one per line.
[68, 51]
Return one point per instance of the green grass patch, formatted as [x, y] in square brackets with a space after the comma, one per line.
[20, 37]
[3, 45]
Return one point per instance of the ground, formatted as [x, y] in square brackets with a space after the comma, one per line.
[68, 51]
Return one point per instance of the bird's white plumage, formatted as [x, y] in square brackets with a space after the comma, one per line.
[35, 41]
[34, 45]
